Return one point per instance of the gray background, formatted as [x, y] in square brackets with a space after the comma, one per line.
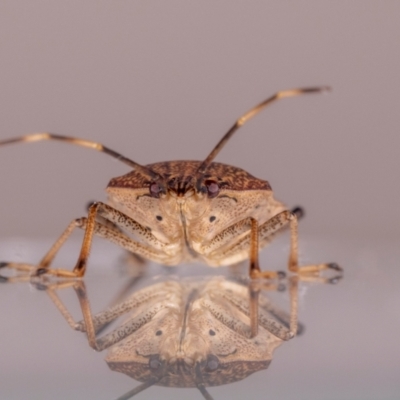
[165, 80]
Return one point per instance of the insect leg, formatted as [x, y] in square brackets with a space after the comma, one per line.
[305, 270]
[43, 266]
[92, 323]
[251, 240]
[109, 232]
[236, 230]
[268, 316]
[254, 241]
[144, 297]
[153, 252]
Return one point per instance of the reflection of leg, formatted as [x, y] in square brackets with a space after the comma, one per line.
[294, 305]
[152, 299]
[124, 330]
[254, 292]
[121, 295]
[282, 325]
[259, 310]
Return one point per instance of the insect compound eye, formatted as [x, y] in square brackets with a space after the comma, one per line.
[155, 363]
[212, 188]
[212, 363]
[155, 190]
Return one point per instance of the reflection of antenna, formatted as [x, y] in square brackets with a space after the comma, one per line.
[153, 381]
[200, 384]
[204, 392]
[139, 388]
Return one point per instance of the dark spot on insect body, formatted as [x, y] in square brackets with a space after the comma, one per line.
[213, 218]
[158, 333]
[159, 217]
[211, 332]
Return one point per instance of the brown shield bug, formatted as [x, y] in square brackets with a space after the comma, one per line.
[181, 211]
[186, 332]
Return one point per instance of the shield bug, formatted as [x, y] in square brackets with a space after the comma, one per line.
[187, 332]
[182, 211]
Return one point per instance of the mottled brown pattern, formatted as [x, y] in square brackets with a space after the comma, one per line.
[186, 377]
[235, 178]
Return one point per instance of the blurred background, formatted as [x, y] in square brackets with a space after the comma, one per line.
[159, 81]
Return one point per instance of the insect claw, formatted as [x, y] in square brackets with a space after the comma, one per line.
[335, 280]
[39, 271]
[298, 212]
[38, 285]
[281, 274]
[89, 204]
[335, 266]
[281, 287]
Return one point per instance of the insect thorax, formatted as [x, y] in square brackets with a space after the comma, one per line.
[186, 218]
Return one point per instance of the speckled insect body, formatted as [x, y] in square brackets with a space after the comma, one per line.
[187, 332]
[181, 211]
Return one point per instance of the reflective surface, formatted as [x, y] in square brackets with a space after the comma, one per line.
[348, 348]
[162, 81]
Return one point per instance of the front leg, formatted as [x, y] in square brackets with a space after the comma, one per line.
[152, 248]
[259, 236]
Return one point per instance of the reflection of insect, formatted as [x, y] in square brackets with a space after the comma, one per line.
[181, 211]
[188, 333]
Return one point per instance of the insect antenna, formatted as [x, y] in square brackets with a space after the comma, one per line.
[138, 389]
[203, 391]
[250, 114]
[200, 384]
[37, 137]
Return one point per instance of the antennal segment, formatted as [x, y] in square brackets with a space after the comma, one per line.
[138, 389]
[204, 391]
[37, 137]
[250, 114]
